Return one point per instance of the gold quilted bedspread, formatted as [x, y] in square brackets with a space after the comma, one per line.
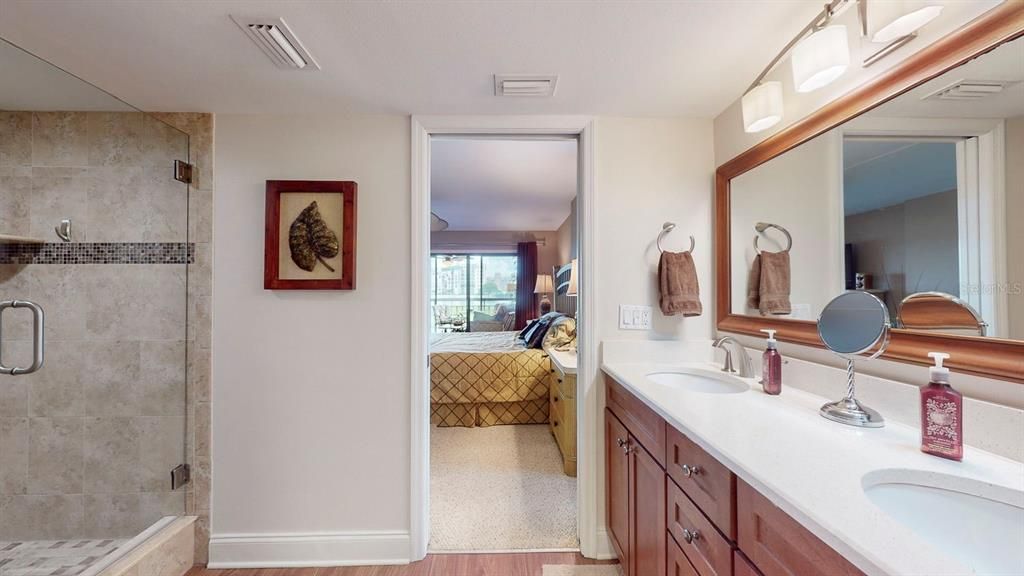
[488, 388]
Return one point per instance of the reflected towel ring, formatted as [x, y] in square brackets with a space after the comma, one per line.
[762, 226]
[665, 229]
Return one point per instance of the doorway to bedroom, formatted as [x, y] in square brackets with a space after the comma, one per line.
[502, 290]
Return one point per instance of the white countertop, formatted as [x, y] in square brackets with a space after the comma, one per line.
[564, 359]
[812, 468]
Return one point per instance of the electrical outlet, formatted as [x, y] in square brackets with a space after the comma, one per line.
[634, 317]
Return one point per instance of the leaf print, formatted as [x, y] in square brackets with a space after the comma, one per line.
[311, 240]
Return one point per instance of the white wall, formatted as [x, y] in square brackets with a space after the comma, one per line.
[650, 170]
[311, 390]
[799, 190]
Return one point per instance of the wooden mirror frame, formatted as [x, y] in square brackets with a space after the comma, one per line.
[989, 357]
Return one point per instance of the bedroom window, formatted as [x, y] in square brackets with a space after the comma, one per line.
[467, 289]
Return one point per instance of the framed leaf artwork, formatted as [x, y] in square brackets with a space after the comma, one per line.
[310, 235]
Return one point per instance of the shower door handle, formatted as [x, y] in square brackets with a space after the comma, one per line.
[38, 326]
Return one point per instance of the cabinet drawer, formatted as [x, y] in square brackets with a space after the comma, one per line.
[710, 485]
[779, 545]
[678, 564]
[642, 422]
[566, 384]
[708, 551]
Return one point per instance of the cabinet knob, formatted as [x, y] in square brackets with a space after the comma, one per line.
[620, 442]
[555, 423]
[690, 470]
[556, 398]
[690, 535]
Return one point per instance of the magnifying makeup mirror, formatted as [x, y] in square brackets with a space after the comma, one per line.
[851, 324]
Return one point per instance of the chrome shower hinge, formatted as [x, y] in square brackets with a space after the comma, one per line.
[183, 171]
[180, 476]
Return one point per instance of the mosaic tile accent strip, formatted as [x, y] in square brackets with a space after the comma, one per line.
[52, 557]
[99, 253]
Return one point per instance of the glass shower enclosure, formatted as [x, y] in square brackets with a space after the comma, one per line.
[94, 253]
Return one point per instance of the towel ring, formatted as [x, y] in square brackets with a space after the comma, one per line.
[665, 229]
[762, 226]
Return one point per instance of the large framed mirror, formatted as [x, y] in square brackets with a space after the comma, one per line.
[911, 188]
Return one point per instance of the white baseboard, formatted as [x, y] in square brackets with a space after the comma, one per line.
[315, 549]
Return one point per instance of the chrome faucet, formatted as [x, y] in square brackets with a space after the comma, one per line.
[746, 369]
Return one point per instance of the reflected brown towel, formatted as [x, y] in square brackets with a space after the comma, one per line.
[768, 283]
[677, 281]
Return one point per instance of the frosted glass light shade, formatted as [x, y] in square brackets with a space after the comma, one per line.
[888, 21]
[762, 107]
[820, 58]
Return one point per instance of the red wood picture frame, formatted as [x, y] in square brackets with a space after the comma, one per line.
[346, 236]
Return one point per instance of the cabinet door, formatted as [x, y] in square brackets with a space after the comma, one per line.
[647, 513]
[778, 545]
[616, 440]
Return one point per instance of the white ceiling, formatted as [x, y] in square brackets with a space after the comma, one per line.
[1005, 63]
[42, 86]
[678, 58]
[494, 184]
[881, 173]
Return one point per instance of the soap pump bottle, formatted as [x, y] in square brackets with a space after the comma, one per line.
[771, 366]
[941, 414]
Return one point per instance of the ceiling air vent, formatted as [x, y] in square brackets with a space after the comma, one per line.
[524, 85]
[277, 41]
[969, 90]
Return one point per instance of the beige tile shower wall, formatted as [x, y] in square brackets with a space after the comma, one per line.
[200, 129]
[87, 443]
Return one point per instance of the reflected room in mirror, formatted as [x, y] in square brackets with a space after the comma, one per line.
[918, 201]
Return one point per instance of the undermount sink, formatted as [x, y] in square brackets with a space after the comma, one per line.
[697, 380]
[979, 525]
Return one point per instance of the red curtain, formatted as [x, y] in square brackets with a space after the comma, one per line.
[526, 279]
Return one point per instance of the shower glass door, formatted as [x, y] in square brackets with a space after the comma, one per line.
[94, 253]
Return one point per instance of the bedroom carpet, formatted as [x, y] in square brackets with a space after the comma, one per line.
[499, 488]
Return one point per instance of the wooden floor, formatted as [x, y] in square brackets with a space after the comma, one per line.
[523, 564]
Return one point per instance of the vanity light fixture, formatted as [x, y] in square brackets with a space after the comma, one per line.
[762, 107]
[903, 25]
[894, 22]
[820, 58]
[821, 52]
[762, 102]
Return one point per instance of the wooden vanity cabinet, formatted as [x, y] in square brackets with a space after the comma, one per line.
[674, 510]
[779, 545]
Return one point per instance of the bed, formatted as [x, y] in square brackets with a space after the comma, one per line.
[486, 379]
[491, 378]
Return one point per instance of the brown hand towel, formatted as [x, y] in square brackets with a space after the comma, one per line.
[754, 284]
[770, 275]
[677, 281]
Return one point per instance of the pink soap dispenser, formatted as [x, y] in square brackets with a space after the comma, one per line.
[771, 366]
[942, 414]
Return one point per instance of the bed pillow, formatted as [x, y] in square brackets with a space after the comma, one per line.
[561, 333]
[536, 338]
[524, 334]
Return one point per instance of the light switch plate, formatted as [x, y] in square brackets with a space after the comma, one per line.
[633, 317]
